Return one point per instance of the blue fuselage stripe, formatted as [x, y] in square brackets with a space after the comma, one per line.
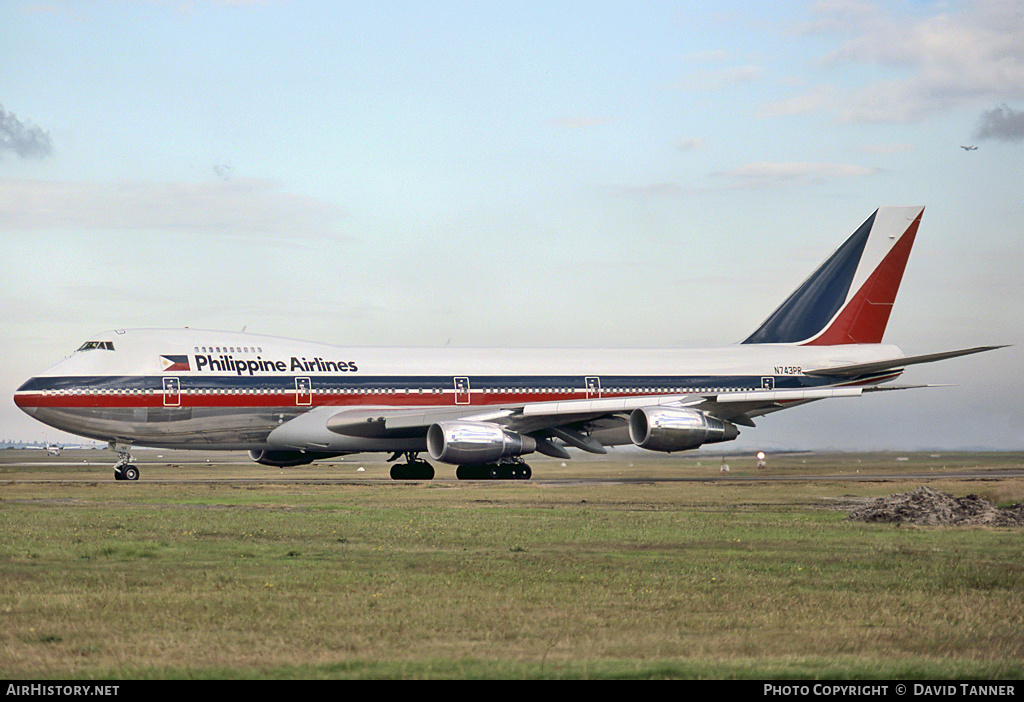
[616, 384]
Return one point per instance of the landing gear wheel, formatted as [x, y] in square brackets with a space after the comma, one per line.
[130, 473]
[473, 472]
[126, 472]
[413, 470]
[123, 469]
[495, 471]
[516, 470]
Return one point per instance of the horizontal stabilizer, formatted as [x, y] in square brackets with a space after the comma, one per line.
[857, 369]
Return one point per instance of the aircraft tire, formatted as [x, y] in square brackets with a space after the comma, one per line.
[416, 470]
[519, 471]
[130, 473]
[469, 473]
[493, 471]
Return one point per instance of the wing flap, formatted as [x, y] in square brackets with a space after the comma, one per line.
[606, 405]
[739, 407]
[365, 422]
[779, 396]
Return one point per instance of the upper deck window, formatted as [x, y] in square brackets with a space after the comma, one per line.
[90, 345]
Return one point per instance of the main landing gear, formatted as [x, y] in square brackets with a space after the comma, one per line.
[124, 469]
[415, 468]
[495, 471]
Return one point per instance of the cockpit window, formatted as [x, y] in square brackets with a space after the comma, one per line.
[91, 345]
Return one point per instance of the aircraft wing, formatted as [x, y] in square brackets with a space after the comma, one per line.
[731, 406]
[558, 417]
[741, 407]
[524, 418]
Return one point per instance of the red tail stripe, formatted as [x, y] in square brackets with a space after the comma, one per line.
[864, 318]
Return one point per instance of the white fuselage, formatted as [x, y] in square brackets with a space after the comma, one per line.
[200, 389]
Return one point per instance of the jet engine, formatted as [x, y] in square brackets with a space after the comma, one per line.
[475, 443]
[677, 429]
[283, 459]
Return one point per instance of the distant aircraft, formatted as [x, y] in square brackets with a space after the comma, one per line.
[969, 148]
[291, 403]
[52, 449]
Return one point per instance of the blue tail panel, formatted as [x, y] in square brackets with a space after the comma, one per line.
[812, 306]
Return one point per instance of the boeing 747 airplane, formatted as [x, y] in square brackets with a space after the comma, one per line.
[291, 403]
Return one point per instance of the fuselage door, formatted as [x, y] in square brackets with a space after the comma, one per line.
[461, 390]
[593, 387]
[303, 392]
[172, 392]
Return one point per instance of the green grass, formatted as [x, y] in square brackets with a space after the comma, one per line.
[506, 580]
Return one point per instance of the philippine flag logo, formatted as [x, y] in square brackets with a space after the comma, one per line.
[175, 363]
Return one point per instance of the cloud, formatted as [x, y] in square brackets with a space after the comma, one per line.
[885, 149]
[236, 206]
[685, 145]
[761, 174]
[717, 79]
[1001, 124]
[765, 174]
[24, 140]
[654, 190]
[931, 64]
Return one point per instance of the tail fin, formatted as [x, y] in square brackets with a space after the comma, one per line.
[847, 300]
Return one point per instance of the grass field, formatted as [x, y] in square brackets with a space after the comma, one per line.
[360, 577]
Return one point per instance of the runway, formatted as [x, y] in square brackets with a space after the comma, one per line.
[79, 466]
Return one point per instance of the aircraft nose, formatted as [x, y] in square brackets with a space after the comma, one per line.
[24, 397]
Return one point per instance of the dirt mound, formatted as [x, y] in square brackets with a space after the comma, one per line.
[926, 506]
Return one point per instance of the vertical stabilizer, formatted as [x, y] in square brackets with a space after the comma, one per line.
[848, 299]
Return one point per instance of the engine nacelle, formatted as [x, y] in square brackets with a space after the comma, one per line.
[677, 429]
[475, 443]
[283, 459]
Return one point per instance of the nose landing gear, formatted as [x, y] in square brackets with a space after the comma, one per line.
[124, 469]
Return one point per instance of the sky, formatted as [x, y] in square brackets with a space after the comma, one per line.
[609, 174]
